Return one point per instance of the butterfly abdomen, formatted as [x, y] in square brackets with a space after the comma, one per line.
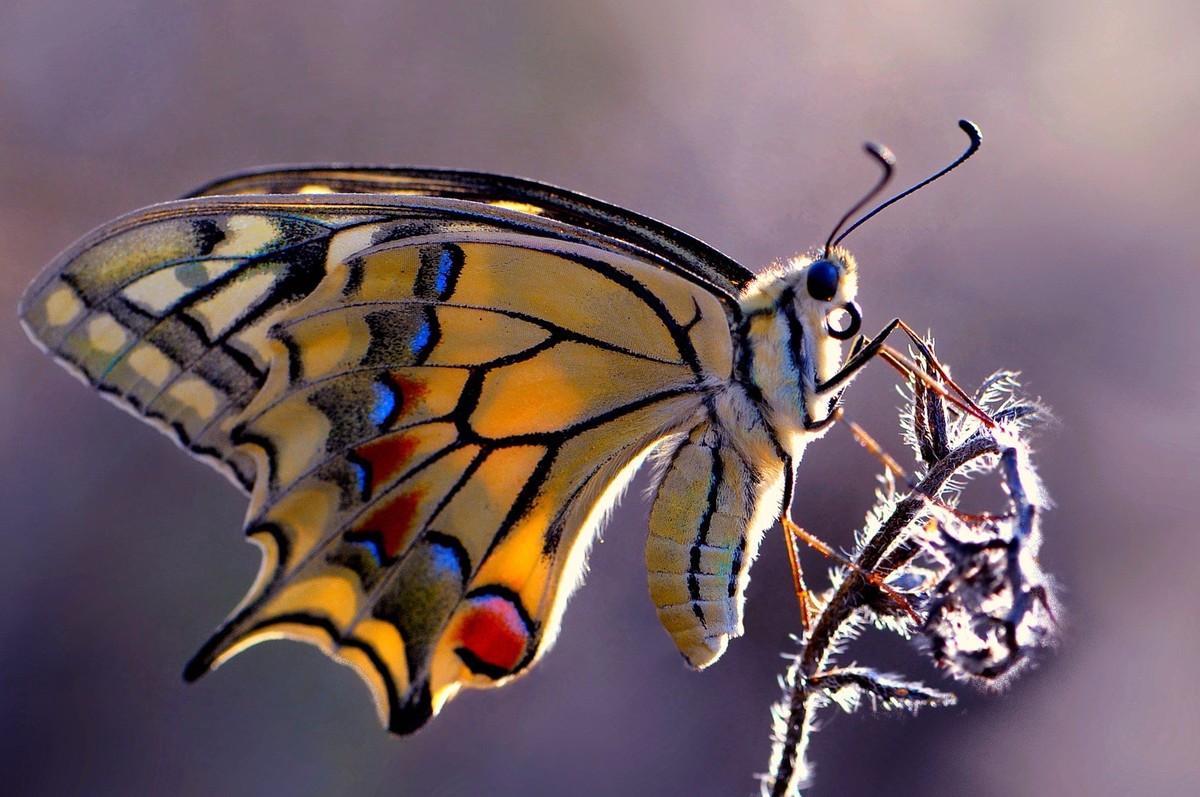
[710, 512]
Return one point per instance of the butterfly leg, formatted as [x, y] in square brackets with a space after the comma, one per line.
[956, 395]
[876, 347]
[854, 363]
[797, 574]
[812, 541]
[860, 355]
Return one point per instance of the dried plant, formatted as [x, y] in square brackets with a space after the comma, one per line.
[983, 603]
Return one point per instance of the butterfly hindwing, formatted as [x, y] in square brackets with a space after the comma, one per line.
[434, 402]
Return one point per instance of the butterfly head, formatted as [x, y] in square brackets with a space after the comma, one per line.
[816, 290]
[824, 288]
[800, 312]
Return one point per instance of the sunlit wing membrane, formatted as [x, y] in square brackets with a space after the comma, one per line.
[433, 401]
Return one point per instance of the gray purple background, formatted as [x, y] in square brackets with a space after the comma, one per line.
[1067, 249]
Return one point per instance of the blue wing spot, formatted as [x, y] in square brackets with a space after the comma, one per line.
[446, 561]
[420, 340]
[444, 270]
[372, 548]
[360, 476]
[384, 403]
[447, 558]
[440, 266]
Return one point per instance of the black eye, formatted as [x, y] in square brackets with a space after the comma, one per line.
[822, 280]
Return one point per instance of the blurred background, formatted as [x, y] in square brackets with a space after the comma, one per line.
[1067, 249]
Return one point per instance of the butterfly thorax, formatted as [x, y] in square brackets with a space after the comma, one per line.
[786, 350]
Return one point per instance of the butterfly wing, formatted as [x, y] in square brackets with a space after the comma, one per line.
[673, 248]
[433, 401]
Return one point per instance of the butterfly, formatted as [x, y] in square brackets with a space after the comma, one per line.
[435, 384]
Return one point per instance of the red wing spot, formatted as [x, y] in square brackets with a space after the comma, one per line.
[394, 521]
[493, 634]
[410, 391]
[386, 457]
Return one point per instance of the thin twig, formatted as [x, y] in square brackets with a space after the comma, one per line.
[850, 596]
[986, 604]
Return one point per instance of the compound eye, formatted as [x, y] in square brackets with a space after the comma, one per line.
[822, 280]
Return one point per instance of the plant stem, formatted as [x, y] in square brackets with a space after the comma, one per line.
[852, 594]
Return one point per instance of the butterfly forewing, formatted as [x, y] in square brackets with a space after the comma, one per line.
[169, 311]
[432, 400]
[676, 250]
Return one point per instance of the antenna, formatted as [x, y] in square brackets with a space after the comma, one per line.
[887, 160]
[967, 127]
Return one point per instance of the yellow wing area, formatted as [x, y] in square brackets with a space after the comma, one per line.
[433, 416]
[169, 314]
